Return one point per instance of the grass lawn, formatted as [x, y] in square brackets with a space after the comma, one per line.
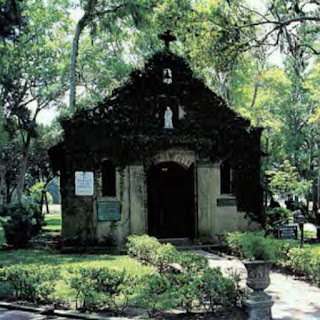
[67, 261]
[53, 221]
[43, 257]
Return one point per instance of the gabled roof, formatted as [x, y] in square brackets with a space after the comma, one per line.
[138, 99]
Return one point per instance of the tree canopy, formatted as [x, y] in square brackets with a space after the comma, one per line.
[262, 60]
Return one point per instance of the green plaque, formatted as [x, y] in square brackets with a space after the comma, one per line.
[109, 211]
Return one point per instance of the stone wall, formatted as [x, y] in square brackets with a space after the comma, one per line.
[216, 213]
[114, 232]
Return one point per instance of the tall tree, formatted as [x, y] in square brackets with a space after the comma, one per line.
[105, 13]
[33, 73]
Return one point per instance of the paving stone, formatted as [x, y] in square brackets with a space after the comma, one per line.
[294, 299]
[19, 315]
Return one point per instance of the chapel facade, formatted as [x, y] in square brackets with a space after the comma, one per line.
[164, 156]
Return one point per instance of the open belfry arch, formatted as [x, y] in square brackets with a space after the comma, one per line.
[163, 155]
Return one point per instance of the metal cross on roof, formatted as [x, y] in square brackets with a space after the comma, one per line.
[167, 37]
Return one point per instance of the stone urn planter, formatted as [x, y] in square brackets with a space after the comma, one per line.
[258, 304]
[258, 274]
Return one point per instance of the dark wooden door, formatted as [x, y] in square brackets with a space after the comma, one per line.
[171, 201]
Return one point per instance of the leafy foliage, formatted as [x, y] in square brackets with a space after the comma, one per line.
[285, 180]
[251, 246]
[98, 287]
[276, 217]
[31, 283]
[304, 263]
[144, 248]
[22, 223]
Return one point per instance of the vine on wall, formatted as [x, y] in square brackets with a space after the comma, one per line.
[128, 127]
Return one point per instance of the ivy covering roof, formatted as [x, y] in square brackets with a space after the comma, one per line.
[127, 127]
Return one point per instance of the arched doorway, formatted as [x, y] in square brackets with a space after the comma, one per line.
[171, 201]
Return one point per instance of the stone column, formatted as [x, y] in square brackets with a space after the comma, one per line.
[208, 176]
[138, 200]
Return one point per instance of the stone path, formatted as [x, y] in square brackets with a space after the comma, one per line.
[6, 314]
[294, 299]
[22, 315]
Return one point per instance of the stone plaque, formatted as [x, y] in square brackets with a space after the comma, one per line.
[226, 202]
[288, 232]
[84, 183]
[109, 211]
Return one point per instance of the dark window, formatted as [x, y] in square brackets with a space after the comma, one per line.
[108, 172]
[225, 178]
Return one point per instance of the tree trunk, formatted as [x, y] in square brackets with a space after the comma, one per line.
[75, 50]
[318, 195]
[3, 188]
[8, 192]
[41, 201]
[22, 174]
[47, 204]
[73, 65]
[23, 170]
[255, 93]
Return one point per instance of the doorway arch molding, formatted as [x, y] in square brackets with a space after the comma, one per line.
[183, 157]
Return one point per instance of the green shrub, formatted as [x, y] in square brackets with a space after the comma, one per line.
[315, 270]
[165, 255]
[143, 248]
[185, 289]
[150, 251]
[207, 289]
[276, 216]
[251, 246]
[217, 290]
[95, 288]
[32, 283]
[189, 260]
[256, 248]
[234, 242]
[304, 262]
[24, 222]
[299, 261]
[154, 293]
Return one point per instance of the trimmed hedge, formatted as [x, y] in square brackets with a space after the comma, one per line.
[97, 288]
[31, 283]
[184, 279]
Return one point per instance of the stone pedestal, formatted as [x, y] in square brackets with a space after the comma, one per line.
[258, 306]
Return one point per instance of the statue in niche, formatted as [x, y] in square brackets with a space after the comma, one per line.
[167, 76]
[168, 118]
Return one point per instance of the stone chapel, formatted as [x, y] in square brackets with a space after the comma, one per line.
[164, 156]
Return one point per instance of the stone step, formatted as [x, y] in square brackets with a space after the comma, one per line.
[177, 242]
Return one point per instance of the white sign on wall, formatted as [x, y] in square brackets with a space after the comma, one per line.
[84, 183]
